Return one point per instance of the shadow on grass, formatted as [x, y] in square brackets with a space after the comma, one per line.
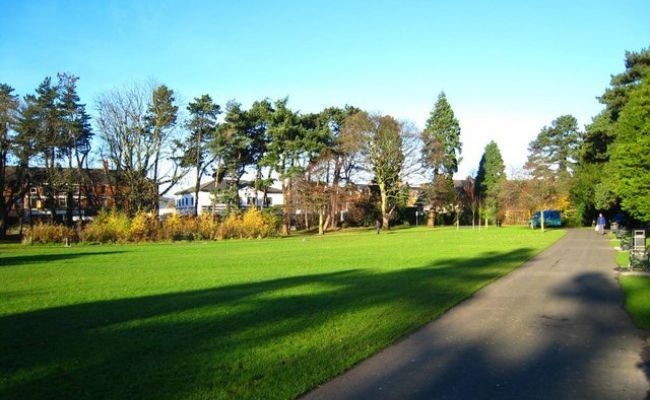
[12, 261]
[200, 343]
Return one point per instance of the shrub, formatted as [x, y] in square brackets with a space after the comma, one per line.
[107, 226]
[230, 228]
[171, 226]
[271, 223]
[253, 224]
[143, 228]
[206, 227]
[48, 233]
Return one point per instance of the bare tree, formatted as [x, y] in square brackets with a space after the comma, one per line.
[135, 139]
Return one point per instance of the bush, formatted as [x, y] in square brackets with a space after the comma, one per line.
[110, 226]
[143, 228]
[206, 228]
[48, 233]
[171, 226]
[230, 228]
[253, 224]
[106, 227]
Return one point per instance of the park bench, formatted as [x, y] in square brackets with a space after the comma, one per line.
[638, 251]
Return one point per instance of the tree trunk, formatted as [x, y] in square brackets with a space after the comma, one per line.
[334, 203]
[321, 214]
[384, 205]
[431, 222]
[286, 209]
[3, 220]
[326, 224]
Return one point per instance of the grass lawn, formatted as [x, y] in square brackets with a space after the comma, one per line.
[238, 319]
[637, 298]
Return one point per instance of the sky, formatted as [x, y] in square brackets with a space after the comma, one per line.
[508, 68]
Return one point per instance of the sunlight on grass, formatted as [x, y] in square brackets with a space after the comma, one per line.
[637, 299]
[241, 319]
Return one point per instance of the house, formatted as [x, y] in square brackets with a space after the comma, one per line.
[166, 206]
[33, 198]
[248, 197]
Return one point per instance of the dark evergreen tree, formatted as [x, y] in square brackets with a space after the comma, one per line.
[491, 174]
[9, 117]
[161, 119]
[202, 127]
[589, 191]
[441, 150]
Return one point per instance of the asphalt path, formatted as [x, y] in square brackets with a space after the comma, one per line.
[553, 329]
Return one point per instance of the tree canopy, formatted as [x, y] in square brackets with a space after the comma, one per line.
[441, 145]
[491, 174]
[317, 157]
[629, 164]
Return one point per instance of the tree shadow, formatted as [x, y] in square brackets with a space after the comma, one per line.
[566, 358]
[12, 261]
[164, 346]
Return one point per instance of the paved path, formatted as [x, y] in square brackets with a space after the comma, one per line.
[553, 329]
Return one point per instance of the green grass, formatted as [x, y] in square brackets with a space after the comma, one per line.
[623, 259]
[637, 298]
[240, 319]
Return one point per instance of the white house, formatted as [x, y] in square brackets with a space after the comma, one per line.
[185, 198]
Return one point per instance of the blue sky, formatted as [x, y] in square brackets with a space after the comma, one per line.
[507, 67]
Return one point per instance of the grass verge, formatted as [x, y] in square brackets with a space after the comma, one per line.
[637, 298]
[242, 319]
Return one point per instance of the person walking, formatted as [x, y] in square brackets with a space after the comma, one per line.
[600, 224]
[378, 225]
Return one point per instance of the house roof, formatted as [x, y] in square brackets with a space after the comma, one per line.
[40, 175]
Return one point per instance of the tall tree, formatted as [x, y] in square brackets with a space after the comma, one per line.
[491, 174]
[76, 143]
[127, 121]
[58, 129]
[9, 116]
[555, 150]
[628, 172]
[259, 119]
[340, 155]
[590, 191]
[284, 150]
[161, 118]
[441, 150]
[202, 127]
[382, 149]
[552, 159]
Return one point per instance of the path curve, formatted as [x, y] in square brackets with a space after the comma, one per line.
[553, 329]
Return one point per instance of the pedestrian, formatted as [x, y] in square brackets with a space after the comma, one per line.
[378, 225]
[600, 224]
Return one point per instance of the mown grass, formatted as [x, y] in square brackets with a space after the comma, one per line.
[637, 298]
[242, 319]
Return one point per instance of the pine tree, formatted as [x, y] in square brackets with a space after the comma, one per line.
[491, 174]
[441, 149]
